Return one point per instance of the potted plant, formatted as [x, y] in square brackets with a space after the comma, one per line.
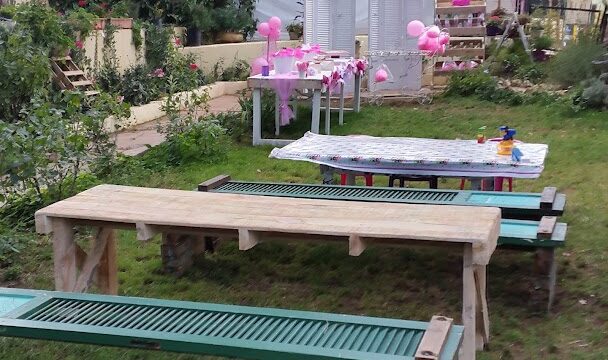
[230, 23]
[541, 44]
[296, 30]
[494, 26]
[198, 18]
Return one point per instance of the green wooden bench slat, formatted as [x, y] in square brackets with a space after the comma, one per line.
[525, 206]
[519, 233]
[210, 329]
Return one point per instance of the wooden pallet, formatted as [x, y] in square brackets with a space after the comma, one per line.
[68, 76]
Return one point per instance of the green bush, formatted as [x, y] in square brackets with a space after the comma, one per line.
[238, 71]
[542, 42]
[24, 72]
[237, 126]
[468, 83]
[532, 72]
[594, 94]
[574, 63]
[138, 86]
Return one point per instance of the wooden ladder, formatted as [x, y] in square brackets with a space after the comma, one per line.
[68, 76]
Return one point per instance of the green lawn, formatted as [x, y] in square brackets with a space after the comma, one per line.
[400, 283]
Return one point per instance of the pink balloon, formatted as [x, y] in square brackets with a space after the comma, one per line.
[444, 38]
[264, 29]
[381, 76]
[415, 28]
[275, 34]
[256, 65]
[432, 45]
[433, 32]
[275, 23]
[422, 42]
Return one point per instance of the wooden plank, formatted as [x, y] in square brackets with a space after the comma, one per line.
[213, 183]
[208, 210]
[145, 232]
[73, 73]
[64, 255]
[356, 245]
[469, 306]
[434, 338]
[97, 249]
[107, 269]
[546, 226]
[547, 197]
[468, 31]
[483, 317]
[82, 83]
[247, 239]
[265, 83]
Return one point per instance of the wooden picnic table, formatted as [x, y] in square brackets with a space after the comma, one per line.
[474, 231]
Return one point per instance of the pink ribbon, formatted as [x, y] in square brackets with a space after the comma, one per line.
[283, 85]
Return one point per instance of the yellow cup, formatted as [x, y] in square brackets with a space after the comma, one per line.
[505, 147]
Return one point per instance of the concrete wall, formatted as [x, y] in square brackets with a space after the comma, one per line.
[126, 53]
[208, 55]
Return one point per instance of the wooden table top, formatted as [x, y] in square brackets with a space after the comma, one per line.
[189, 209]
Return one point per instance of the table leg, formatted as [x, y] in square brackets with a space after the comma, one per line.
[327, 173]
[350, 179]
[341, 114]
[277, 114]
[357, 95]
[469, 307]
[328, 113]
[316, 111]
[64, 255]
[498, 182]
[257, 116]
[483, 317]
[107, 270]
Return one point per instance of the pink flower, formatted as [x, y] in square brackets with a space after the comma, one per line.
[178, 41]
[193, 66]
[82, 3]
[159, 73]
[79, 44]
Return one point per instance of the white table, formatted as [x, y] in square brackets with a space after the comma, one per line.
[414, 156]
[311, 83]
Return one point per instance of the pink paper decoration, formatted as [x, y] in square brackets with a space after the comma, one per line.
[263, 29]
[275, 23]
[444, 38]
[415, 28]
[423, 42]
[381, 76]
[461, 2]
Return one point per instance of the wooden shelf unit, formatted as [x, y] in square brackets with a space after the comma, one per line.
[467, 34]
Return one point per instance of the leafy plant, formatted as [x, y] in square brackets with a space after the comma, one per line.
[574, 63]
[138, 86]
[158, 45]
[79, 21]
[296, 28]
[238, 71]
[189, 134]
[24, 72]
[108, 76]
[136, 36]
[542, 42]
[532, 72]
[44, 26]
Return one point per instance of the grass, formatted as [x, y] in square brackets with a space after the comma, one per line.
[400, 283]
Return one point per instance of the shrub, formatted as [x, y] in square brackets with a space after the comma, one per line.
[574, 63]
[238, 71]
[594, 94]
[24, 73]
[468, 83]
[158, 45]
[138, 86]
[532, 72]
[237, 126]
[542, 43]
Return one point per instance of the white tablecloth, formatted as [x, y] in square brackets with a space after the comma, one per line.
[414, 156]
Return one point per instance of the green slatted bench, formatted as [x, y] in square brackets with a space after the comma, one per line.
[221, 330]
[542, 233]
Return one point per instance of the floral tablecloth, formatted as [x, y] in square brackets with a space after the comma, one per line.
[414, 156]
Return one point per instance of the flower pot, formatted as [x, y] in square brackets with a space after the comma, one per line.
[122, 23]
[229, 37]
[294, 35]
[284, 64]
[493, 30]
[194, 37]
[539, 55]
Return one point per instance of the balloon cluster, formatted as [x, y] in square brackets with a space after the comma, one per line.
[270, 29]
[430, 38]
